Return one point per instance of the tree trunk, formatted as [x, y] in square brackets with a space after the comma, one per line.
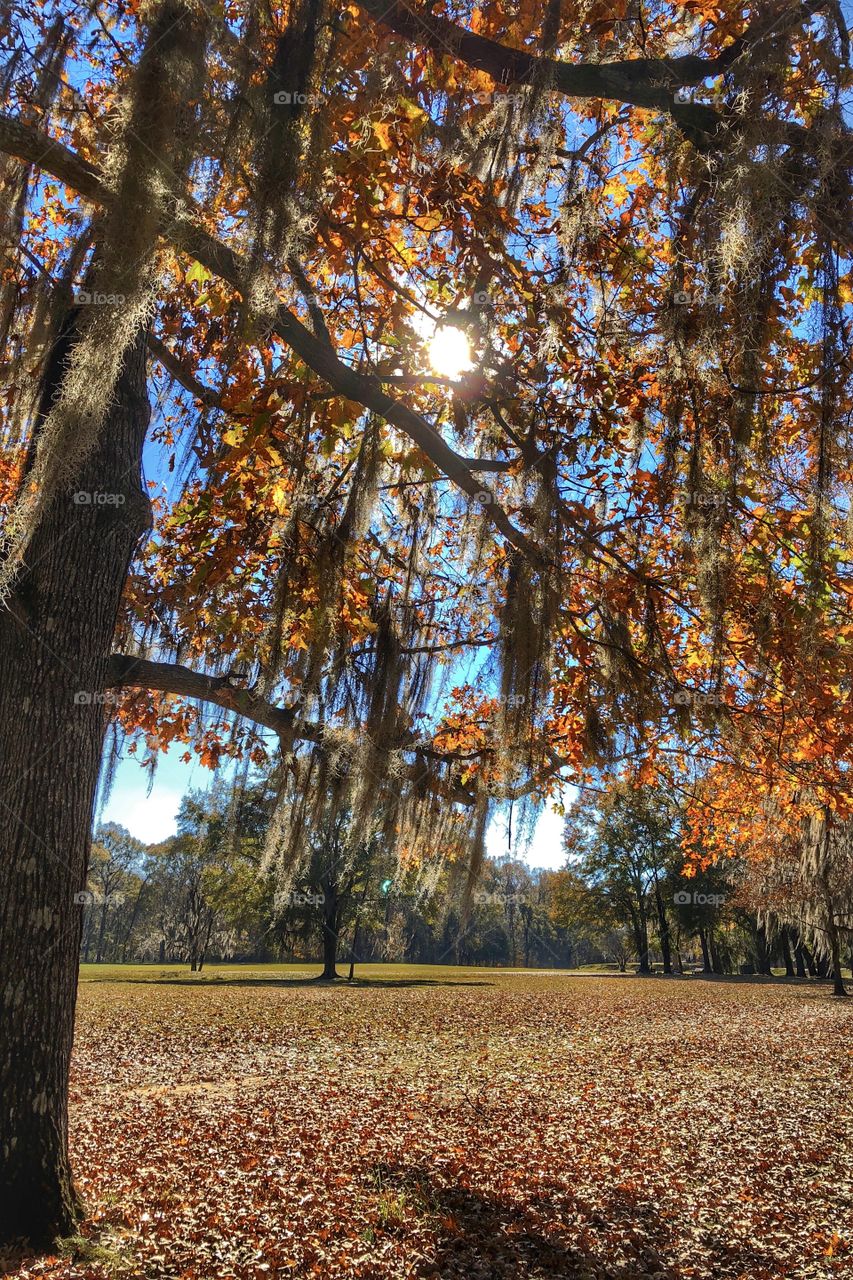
[784, 943]
[206, 942]
[707, 967]
[330, 929]
[810, 961]
[645, 959]
[351, 974]
[55, 639]
[642, 933]
[129, 934]
[663, 930]
[676, 946]
[799, 960]
[762, 952]
[99, 956]
[641, 938]
[355, 932]
[838, 987]
[87, 934]
[716, 963]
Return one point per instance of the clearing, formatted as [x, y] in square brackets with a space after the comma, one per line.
[471, 1123]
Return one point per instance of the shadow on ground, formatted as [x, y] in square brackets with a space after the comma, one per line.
[484, 1238]
[318, 983]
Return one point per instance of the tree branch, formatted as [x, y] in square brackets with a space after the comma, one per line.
[180, 373]
[128, 672]
[638, 82]
[32, 144]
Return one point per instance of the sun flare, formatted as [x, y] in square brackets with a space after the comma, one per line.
[450, 352]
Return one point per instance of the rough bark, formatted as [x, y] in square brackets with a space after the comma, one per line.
[644, 82]
[99, 954]
[762, 952]
[642, 931]
[87, 935]
[354, 948]
[55, 638]
[716, 961]
[811, 964]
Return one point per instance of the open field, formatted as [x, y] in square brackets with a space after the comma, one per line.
[461, 1123]
[369, 973]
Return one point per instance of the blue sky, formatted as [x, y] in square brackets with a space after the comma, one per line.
[153, 816]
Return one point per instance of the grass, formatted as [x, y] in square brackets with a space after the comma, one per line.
[470, 1123]
[250, 973]
[298, 972]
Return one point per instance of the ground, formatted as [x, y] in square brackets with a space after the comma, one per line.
[460, 1123]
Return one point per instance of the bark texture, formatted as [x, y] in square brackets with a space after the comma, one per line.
[55, 639]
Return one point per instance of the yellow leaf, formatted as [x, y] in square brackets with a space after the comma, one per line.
[383, 133]
[410, 109]
[198, 274]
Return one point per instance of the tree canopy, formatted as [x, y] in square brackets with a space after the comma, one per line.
[621, 528]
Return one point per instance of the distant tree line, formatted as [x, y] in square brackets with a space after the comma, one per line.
[622, 900]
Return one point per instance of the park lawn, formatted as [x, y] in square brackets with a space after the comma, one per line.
[460, 1123]
[249, 972]
[273, 972]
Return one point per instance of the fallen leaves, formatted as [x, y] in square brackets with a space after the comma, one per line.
[499, 1126]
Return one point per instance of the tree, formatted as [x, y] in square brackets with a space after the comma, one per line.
[804, 883]
[624, 843]
[286, 197]
[69, 562]
[115, 854]
[699, 909]
[576, 909]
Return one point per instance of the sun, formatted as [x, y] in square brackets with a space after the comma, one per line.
[450, 352]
